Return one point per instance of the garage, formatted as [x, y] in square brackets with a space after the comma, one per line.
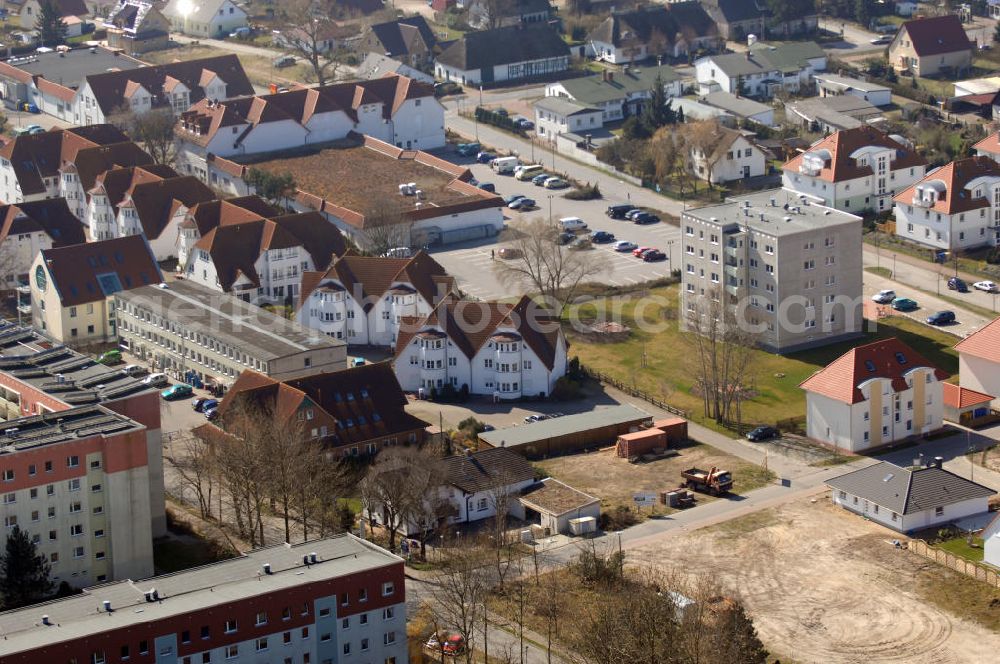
[553, 504]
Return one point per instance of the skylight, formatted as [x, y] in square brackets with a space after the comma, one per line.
[888, 477]
[900, 358]
[869, 365]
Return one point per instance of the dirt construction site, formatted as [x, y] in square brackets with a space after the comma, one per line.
[824, 585]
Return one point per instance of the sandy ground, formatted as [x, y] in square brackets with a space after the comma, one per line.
[826, 586]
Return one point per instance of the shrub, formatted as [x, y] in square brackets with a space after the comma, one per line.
[471, 426]
[593, 568]
[993, 257]
[587, 192]
[619, 518]
[566, 389]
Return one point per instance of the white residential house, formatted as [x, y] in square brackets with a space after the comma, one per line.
[509, 53]
[991, 536]
[26, 229]
[855, 170]
[909, 499]
[731, 155]
[956, 207]
[618, 94]
[979, 359]
[874, 395]
[557, 115]
[205, 18]
[989, 147]
[762, 70]
[833, 85]
[490, 348]
[363, 299]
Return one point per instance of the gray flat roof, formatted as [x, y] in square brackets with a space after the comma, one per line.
[71, 68]
[741, 106]
[847, 82]
[201, 587]
[694, 109]
[524, 434]
[229, 319]
[777, 219]
[52, 428]
[564, 106]
[57, 370]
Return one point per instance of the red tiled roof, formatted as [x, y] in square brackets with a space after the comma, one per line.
[956, 198]
[989, 144]
[962, 397]
[51, 216]
[844, 143]
[841, 378]
[89, 272]
[937, 35]
[984, 343]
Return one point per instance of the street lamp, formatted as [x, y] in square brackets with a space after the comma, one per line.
[893, 266]
[550, 208]
[670, 254]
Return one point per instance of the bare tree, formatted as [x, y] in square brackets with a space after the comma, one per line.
[193, 461]
[461, 592]
[493, 12]
[667, 148]
[543, 266]
[386, 227]
[307, 31]
[723, 353]
[153, 130]
[702, 139]
[500, 499]
[398, 490]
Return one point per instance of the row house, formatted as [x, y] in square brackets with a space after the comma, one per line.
[855, 169]
[363, 299]
[953, 208]
[28, 228]
[507, 351]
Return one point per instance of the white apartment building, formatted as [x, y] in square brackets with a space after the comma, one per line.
[874, 395]
[790, 268]
[955, 207]
[855, 170]
[363, 299]
[490, 348]
[81, 492]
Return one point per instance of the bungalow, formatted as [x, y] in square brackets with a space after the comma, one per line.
[671, 30]
[931, 46]
[966, 407]
[907, 500]
[508, 13]
[556, 505]
[741, 107]
[737, 19]
[512, 53]
[832, 85]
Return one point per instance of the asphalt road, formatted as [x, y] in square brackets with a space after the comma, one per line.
[855, 38]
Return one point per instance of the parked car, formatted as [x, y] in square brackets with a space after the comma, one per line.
[178, 391]
[511, 198]
[447, 88]
[624, 245]
[634, 211]
[197, 404]
[601, 237]
[241, 32]
[619, 211]
[536, 418]
[485, 157]
[523, 203]
[508, 253]
[941, 318]
[524, 124]
[501, 111]
[28, 129]
[110, 357]
[987, 286]
[488, 186]
[760, 433]
[572, 224]
[645, 218]
[957, 284]
[398, 252]
[654, 256]
[581, 243]
[539, 180]
[284, 61]
[209, 404]
[884, 296]
[448, 643]
[134, 370]
[565, 237]
[555, 183]
[639, 251]
[212, 414]
[156, 380]
[879, 41]
[468, 149]
[904, 304]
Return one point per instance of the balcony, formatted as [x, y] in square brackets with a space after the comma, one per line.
[733, 289]
[24, 289]
[24, 308]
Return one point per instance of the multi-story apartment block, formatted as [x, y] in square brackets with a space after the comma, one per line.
[150, 199]
[494, 348]
[77, 483]
[789, 269]
[28, 228]
[363, 298]
[874, 395]
[72, 287]
[855, 170]
[190, 328]
[331, 601]
[64, 163]
[260, 258]
[953, 208]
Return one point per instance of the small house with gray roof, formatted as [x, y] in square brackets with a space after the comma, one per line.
[671, 30]
[558, 115]
[909, 499]
[618, 94]
[205, 18]
[763, 70]
[512, 53]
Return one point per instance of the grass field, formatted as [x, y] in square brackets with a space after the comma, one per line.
[960, 547]
[660, 362]
[259, 69]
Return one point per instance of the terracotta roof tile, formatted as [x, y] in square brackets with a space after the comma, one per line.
[962, 397]
[841, 145]
[51, 216]
[90, 272]
[955, 176]
[937, 35]
[984, 343]
[990, 144]
[841, 378]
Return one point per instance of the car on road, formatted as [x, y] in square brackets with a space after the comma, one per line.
[523, 203]
[468, 149]
[957, 284]
[987, 286]
[110, 357]
[488, 186]
[535, 418]
[879, 41]
[645, 218]
[884, 296]
[178, 391]
[511, 198]
[654, 256]
[156, 380]
[555, 183]
[625, 245]
[941, 318]
[602, 237]
[619, 211]
[508, 253]
[540, 179]
[760, 433]
[485, 157]
[639, 251]
[904, 304]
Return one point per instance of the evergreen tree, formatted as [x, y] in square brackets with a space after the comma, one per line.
[50, 26]
[654, 113]
[863, 12]
[24, 573]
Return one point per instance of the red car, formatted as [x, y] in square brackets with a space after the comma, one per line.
[640, 251]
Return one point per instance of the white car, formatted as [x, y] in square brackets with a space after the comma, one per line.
[624, 245]
[884, 296]
[156, 380]
[987, 286]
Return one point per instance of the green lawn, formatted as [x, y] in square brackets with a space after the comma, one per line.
[883, 272]
[669, 370]
[960, 547]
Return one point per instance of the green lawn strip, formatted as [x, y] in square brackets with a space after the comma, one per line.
[960, 547]
[883, 272]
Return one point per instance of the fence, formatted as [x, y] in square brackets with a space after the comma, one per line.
[957, 563]
[631, 391]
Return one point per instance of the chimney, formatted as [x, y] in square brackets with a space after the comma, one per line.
[267, 568]
[938, 461]
[107, 606]
[45, 619]
[305, 559]
[313, 558]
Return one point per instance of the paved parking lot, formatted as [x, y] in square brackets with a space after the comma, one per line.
[472, 263]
